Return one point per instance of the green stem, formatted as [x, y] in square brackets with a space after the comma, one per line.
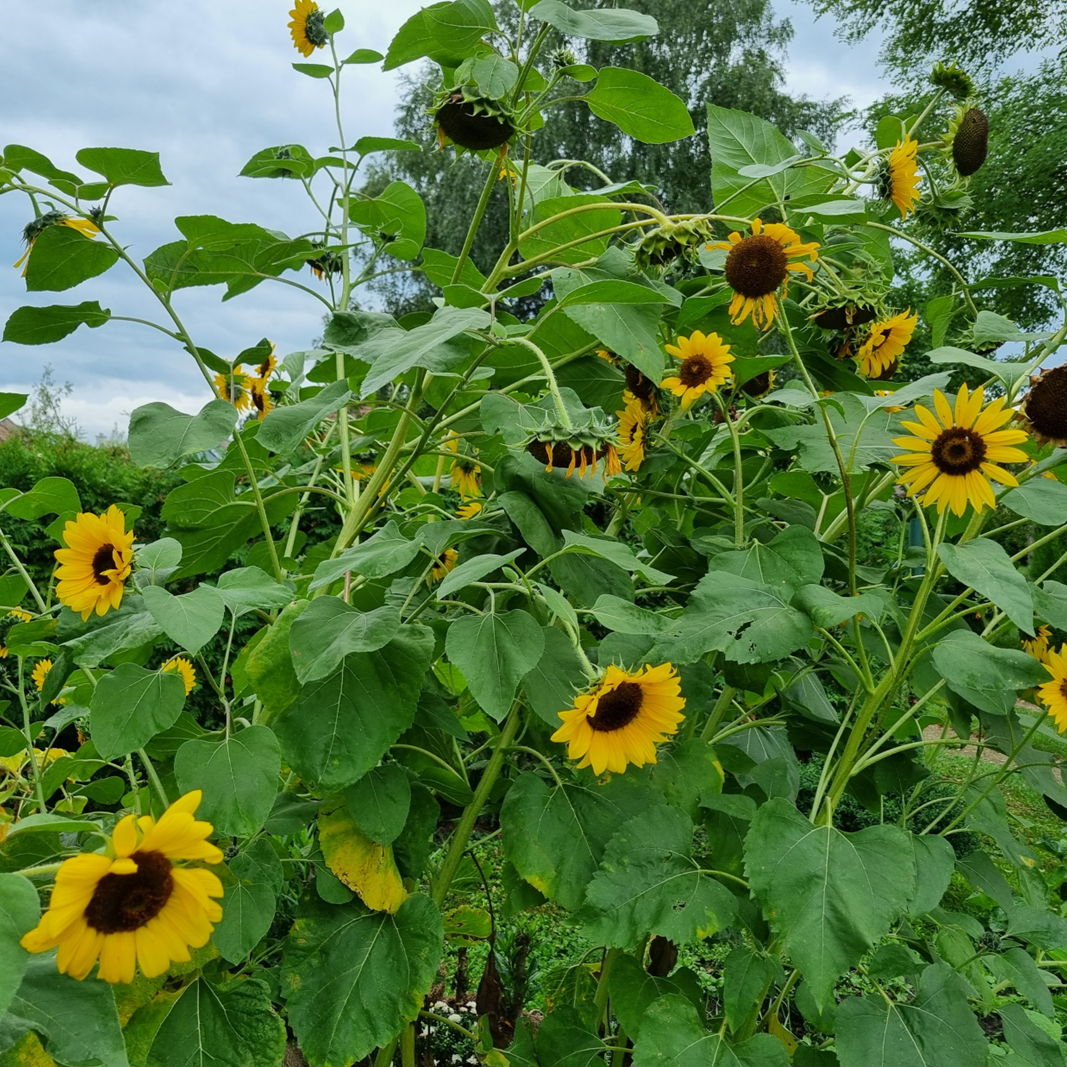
[41, 870]
[26, 727]
[157, 785]
[550, 378]
[476, 221]
[407, 1046]
[23, 573]
[253, 481]
[471, 812]
[601, 998]
[718, 713]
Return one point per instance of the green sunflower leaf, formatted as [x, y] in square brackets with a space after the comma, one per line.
[159, 435]
[250, 903]
[356, 978]
[648, 882]
[124, 166]
[230, 1023]
[985, 566]
[130, 705]
[190, 620]
[20, 911]
[937, 1029]
[829, 895]
[62, 258]
[340, 727]
[239, 777]
[638, 105]
[616, 26]
[42, 326]
[330, 629]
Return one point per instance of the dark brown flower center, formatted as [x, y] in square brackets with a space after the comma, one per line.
[759, 385]
[958, 451]
[104, 560]
[540, 451]
[1046, 404]
[1063, 688]
[618, 708]
[695, 370]
[123, 902]
[641, 387]
[887, 372]
[756, 265]
[259, 399]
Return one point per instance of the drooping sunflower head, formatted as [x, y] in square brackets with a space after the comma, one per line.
[1053, 693]
[234, 388]
[642, 389]
[841, 316]
[444, 563]
[472, 121]
[955, 453]
[705, 366]
[622, 718]
[900, 176]
[968, 140]
[1037, 646]
[40, 672]
[134, 905]
[325, 263]
[1044, 408]
[633, 431]
[669, 241]
[12, 618]
[757, 266]
[33, 229]
[308, 27]
[180, 666]
[578, 446]
[879, 356]
[94, 565]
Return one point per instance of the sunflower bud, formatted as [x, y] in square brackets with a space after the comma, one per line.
[970, 145]
[562, 58]
[953, 80]
[663, 245]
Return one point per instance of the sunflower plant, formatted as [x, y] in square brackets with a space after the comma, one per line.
[590, 640]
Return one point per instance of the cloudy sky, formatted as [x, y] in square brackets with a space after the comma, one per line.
[207, 85]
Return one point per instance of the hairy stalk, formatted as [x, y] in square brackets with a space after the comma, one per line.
[23, 573]
[461, 836]
[26, 728]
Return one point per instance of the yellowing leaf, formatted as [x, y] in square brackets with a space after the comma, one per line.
[364, 866]
[28, 1052]
[776, 1029]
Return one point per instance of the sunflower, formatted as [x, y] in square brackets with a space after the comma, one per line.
[622, 718]
[633, 423]
[1053, 694]
[180, 666]
[1037, 646]
[40, 672]
[260, 395]
[705, 366]
[900, 178]
[267, 367]
[443, 564]
[17, 615]
[465, 473]
[307, 28]
[757, 265]
[39, 225]
[1045, 407]
[954, 458]
[468, 511]
[880, 354]
[759, 386]
[234, 388]
[607, 355]
[95, 563]
[580, 457]
[640, 388]
[133, 905]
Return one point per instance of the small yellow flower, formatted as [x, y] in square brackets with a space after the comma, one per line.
[1037, 646]
[234, 388]
[891, 408]
[95, 563]
[307, 27]
[879, 356]
[622, 718]
[900, 182]
[705, 366]
[1053, 694]
[955, 454]
[133, 905]
[180, 666]
[468, 511]
[759, 264]
[443, 564]
[633, 428]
